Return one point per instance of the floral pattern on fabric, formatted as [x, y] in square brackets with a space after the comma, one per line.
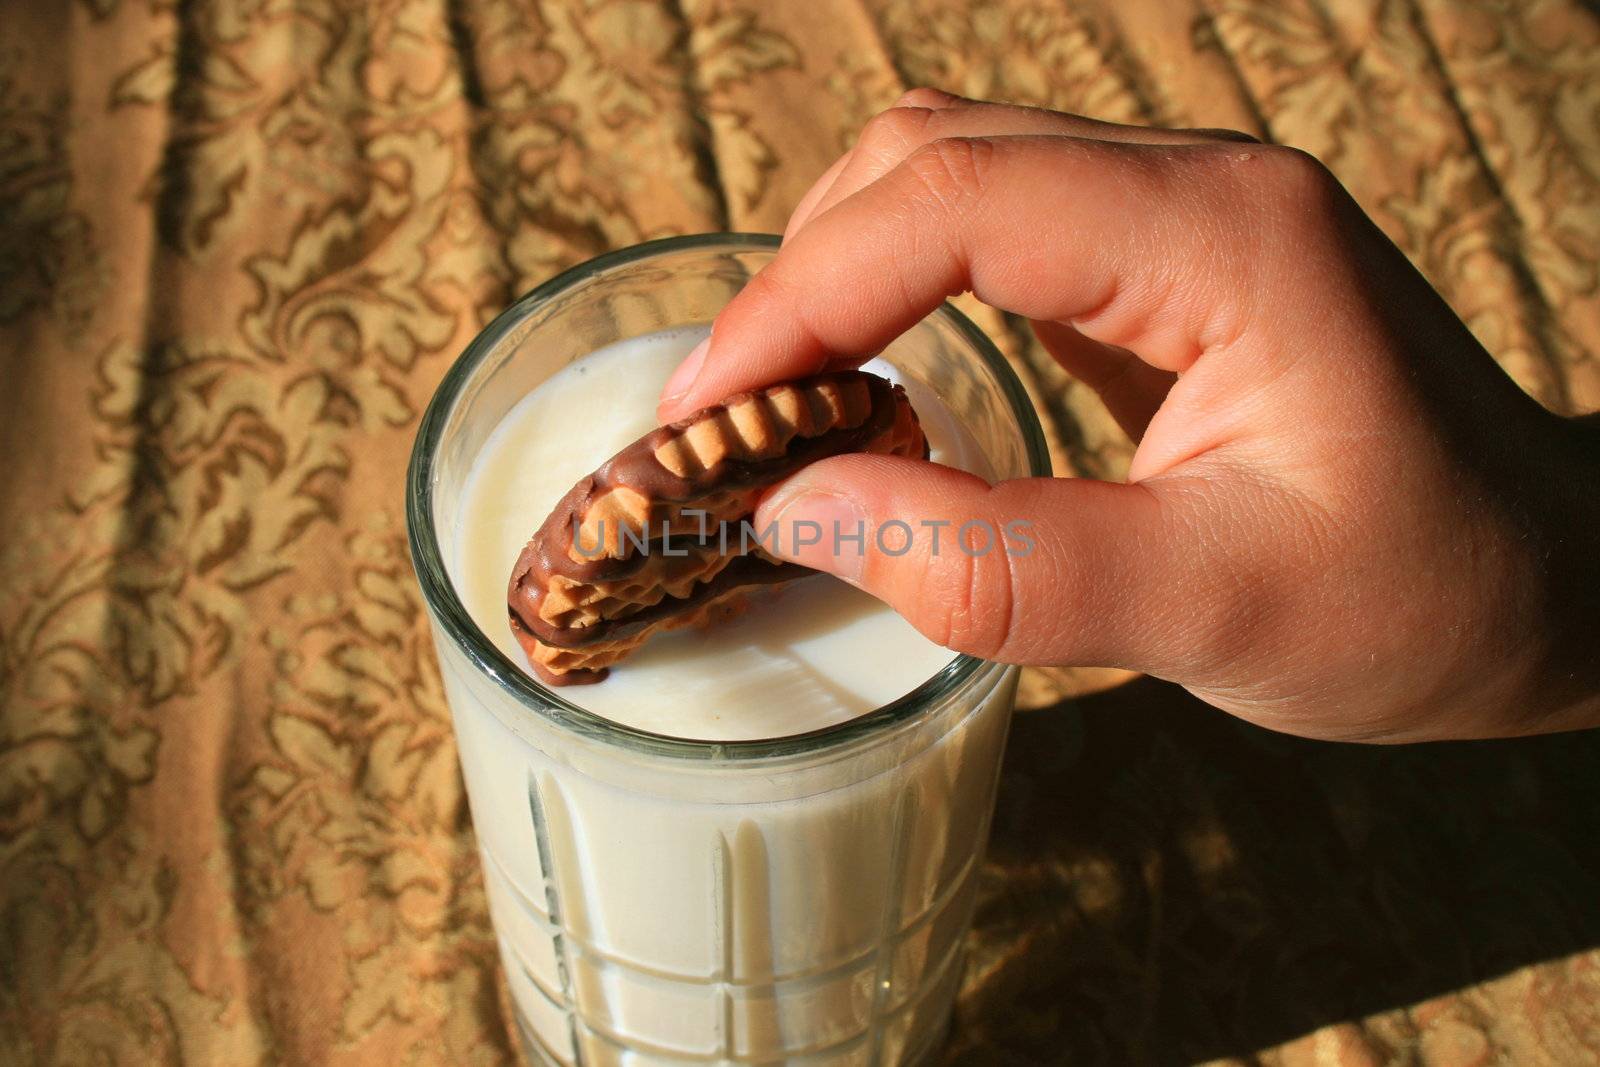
[240, 242]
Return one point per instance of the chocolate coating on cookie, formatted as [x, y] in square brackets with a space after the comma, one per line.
[612, 596]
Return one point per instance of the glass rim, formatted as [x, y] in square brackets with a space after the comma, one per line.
[532, 695]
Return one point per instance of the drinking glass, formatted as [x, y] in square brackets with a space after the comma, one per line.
[662, 900]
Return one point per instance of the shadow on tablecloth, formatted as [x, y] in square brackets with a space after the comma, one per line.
[1168, 885]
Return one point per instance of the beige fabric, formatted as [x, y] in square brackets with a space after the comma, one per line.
[239, 244]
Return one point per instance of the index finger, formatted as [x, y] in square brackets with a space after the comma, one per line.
[1138, 246]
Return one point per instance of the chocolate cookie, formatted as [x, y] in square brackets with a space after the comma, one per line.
[656, 537]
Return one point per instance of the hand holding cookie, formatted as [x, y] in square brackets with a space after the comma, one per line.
[1343, 519]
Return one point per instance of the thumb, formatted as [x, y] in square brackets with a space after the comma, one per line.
[1037, 570]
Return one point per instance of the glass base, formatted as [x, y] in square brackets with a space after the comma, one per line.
[536, 1054]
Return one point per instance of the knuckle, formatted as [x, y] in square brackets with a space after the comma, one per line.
[1290, 197]
[923, 96]
[1297, 170]
[895, 130]
[753, 308]
[769, 287]
[1224, 133]
[969, 602]
[1290, 179]
[952, 170]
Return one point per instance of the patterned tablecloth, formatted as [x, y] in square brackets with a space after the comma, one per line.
[239, 244]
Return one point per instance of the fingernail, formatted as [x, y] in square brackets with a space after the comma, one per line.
[682, 379]
[820, 530]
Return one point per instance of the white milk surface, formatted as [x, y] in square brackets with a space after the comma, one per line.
[812, 654]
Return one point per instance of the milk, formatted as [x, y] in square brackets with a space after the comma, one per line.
[653, 906]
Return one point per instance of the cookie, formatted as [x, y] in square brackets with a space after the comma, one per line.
[656, 538]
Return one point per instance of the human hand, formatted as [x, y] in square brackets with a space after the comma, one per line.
[1343, 520]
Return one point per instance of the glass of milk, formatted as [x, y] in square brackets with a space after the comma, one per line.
[757, 843]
